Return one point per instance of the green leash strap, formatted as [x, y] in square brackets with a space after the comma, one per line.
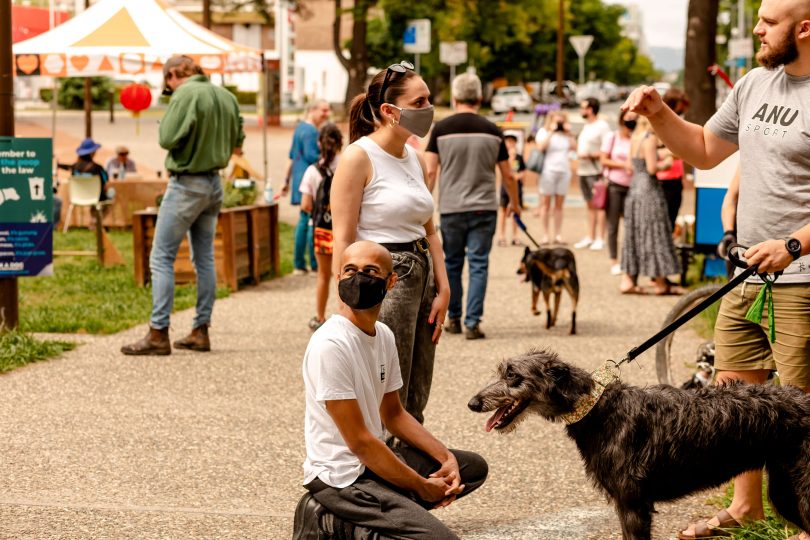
[755, 311]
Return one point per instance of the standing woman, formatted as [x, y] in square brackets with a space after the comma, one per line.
[379, 194]
[648, 248]
[556, 140]
[618, 170]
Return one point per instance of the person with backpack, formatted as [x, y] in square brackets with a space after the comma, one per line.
[315, 187]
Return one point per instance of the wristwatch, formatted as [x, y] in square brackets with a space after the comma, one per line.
[794, 247]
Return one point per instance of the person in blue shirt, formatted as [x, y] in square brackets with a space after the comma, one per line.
[303, 153]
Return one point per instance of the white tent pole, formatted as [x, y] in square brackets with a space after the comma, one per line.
[52, 22]
[263, 118]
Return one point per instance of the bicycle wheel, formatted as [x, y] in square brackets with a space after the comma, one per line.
[676, 354]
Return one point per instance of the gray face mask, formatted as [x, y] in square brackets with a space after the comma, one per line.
[417, 121]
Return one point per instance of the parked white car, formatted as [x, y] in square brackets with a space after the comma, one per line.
[511, 97]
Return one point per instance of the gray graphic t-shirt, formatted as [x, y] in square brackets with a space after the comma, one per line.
[768, 116]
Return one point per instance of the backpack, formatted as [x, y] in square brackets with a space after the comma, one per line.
[321, 207]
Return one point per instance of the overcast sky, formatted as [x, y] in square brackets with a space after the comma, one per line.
[664, 21]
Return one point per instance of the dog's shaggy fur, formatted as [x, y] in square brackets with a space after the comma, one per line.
[643, 445]
[551, 270]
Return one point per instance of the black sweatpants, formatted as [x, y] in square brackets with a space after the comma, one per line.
[673, 193]
[388, 510]
[615, 210]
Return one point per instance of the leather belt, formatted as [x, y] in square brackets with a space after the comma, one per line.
[212, 172]
[417, 246]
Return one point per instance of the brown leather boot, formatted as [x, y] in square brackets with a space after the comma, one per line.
[156, 342]
[197, 340]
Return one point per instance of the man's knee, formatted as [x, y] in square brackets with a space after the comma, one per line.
[474, 469]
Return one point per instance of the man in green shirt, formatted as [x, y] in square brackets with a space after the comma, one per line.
[200, 130]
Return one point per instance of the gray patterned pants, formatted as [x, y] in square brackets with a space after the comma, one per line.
[406, 310]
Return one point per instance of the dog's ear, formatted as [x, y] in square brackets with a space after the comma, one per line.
[526, 251]
[558, 371]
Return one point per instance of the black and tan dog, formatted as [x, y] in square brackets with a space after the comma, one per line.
[551, 270]
[644, 445]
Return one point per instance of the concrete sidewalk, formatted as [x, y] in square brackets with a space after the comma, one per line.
[103, 446]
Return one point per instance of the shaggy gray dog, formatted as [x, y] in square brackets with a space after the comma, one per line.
[644, 445]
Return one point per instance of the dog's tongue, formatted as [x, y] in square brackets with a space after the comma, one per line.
[494, 418]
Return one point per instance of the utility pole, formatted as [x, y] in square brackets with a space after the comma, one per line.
[9, 295]
[560, 47]
[88, 98]
[206, 13]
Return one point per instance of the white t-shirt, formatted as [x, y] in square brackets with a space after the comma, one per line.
[343, 362]
[396, 202]
[590, 142]
[556, 151]
[312, 178]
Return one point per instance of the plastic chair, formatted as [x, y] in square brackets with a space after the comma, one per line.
[84, 191]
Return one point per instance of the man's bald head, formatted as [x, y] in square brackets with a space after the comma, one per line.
[364, 254]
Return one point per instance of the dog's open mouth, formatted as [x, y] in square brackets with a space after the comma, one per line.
[504, 415]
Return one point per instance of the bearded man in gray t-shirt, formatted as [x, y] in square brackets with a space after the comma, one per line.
[766, 117]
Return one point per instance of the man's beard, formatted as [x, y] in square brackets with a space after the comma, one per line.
[779, 55]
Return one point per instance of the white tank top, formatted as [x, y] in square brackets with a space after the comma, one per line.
[396, 202]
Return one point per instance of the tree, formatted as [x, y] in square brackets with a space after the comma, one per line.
[357, 63]
[701, 52]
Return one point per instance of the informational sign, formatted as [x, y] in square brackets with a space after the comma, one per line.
[452, 53]
[417, 37]
[741, 48]
[26, 207]
[581, 44]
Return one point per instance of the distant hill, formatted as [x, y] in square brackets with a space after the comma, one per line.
[667, 58]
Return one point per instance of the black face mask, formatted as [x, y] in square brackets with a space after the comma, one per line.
[362, 291]
[630, 124]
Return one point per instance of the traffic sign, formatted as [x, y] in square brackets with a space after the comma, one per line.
[581, 44]
[741, 48]
[417, 36]
[452, 53]
[26, 207]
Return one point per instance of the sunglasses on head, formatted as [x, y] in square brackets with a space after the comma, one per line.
[401, 67]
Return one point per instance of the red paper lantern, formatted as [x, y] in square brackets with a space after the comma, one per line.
[136, 97]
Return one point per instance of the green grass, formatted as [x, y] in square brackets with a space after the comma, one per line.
[83, 297]
[18, 348]
[770, 528]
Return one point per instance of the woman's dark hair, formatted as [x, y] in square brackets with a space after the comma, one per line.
[674, 97]
[365, 108]
[331, 140]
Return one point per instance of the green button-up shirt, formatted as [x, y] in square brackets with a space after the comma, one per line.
[201, 127]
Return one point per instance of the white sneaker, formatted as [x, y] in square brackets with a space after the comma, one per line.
[598, 244]
[585, 242]
[300, 272]
[616, 270]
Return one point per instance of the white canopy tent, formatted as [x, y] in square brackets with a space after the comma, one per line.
[125, 39]
[122, 37]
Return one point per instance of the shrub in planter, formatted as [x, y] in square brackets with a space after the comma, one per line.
[234, 196]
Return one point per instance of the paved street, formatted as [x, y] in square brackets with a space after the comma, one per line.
[209, 446]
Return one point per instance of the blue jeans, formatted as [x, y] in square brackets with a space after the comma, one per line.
[469, 232]
[304, 244]
[191, 205]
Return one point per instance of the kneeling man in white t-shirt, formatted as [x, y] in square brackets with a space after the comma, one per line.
[351, 375]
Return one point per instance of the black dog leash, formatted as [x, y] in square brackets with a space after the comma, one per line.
[747, 272]
[522, 227]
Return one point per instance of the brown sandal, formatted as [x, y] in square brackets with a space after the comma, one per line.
[702, 529]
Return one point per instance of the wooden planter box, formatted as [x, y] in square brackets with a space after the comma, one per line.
[245, 246]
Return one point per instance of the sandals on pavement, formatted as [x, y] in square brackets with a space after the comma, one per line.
[635, 289]
[702, 529]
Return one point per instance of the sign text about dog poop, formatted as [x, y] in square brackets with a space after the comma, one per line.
[26, 207]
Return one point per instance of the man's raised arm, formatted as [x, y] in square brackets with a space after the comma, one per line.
[697, 145]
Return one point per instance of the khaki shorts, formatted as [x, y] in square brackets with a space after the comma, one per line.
[744, 346]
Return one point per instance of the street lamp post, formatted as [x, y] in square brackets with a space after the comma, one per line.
[560, 47]
[9, 295]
